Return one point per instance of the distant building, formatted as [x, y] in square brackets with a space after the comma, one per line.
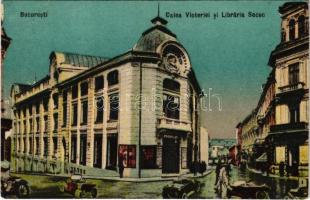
[86, 116]
[204, 149]
[219, 147]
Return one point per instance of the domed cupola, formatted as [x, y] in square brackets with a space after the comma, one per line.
[155, 36]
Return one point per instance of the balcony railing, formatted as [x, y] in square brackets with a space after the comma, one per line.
[168, 123]
[289, 126]
[292, 87]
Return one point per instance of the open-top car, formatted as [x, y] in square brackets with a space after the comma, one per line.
[181, 189]
[248, 190]
[77, 186]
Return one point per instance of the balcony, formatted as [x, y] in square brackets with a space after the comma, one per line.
[175, 124]
[292, 87]
[289, 127]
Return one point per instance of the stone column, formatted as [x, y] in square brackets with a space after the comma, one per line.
[50, 119]
[41, 119]
[78, 124]
[90, 123]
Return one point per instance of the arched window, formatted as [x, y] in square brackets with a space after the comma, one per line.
[112, 78]
[171, 99]
[292, 29]
[283, 35]
[301, 26]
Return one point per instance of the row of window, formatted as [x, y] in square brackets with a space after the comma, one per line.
[302, 28]
[22, 142]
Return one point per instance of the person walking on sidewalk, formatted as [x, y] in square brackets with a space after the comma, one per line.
[121, 166]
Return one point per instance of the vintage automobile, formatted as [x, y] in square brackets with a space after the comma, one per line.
[18, 187]
[76, 185]
[181, 189]
[248, 190]
[301, 192]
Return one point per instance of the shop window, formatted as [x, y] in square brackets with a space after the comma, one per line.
[55, 143]
[84, 112]
[303, 155]
[45, 144]
[97, 150]
[280, 154]
[37, 145]
[83, 141]
[73, 148]
[114, 106]
[292, 29]
[84, 88]
[30, 145]
[149, 157]
[293, 74]
[301, 26]
[112, 78]
[99, 83]
[74, 114]
[171, 106]
[99, 109]
[127, 154]
[74, 92]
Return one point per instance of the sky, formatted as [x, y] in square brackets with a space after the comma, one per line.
[229, 55]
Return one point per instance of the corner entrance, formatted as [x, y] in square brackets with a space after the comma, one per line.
[170, 156]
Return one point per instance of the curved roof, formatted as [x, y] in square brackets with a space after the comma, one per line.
[154, 36]
[78, 60]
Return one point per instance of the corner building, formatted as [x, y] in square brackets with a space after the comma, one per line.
[86, 115]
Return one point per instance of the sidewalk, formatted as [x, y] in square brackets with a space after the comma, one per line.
[148, 179]
[273, 175]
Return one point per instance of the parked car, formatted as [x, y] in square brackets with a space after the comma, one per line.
[181, 189]
[76, 185]
[248, 190]
[301, 192]
[18, 187]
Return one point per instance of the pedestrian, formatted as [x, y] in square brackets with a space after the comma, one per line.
[281, 169]
[217, 171]
[121, 165]
[223, 182]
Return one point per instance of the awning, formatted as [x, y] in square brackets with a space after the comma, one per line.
[262, 158]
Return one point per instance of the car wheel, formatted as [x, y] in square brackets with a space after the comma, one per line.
[22, 191]
[93, 193]
[262, 195]
[184, 196]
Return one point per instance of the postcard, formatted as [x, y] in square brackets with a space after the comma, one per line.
[154, 99]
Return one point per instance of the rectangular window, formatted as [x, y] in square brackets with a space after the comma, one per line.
[99, 83]
[294, 74]
[45, 143]
[294, 113]
[112, 78]
[45, 124]
[74, 114]
[84, 112]
[38, 108]
[74, 91]
[84, 88]
[97, 150]
[45, 104]
[149, 157]
[171, 106]
[31, 125]
[83, 146]
[30, 110]
[55, 122]
[99, 109]
[64, 115]
[73, 148]
[55, 100]
[127, 155]
[114, 106]
[38, 124]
